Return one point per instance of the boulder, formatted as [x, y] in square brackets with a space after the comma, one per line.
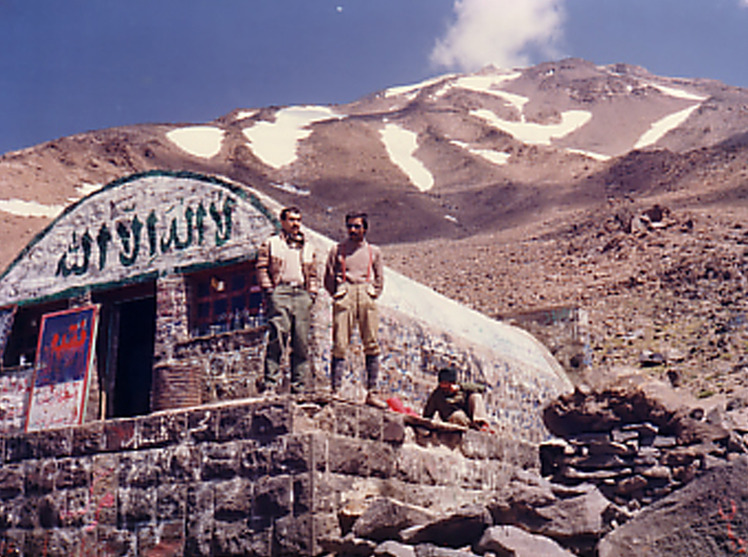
[706, 517]
[385, 517]
[510, 541]
[631, 399]
[459, 529]
[394, 549]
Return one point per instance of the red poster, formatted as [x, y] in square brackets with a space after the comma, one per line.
[64, 357]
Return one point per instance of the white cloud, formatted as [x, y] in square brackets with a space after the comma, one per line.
[500, 32]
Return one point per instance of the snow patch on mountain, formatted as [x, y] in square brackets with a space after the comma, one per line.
[401, 144]
[242, 114]
[486, 84]
[290, 188]
[533, 133]
[275, 143]
[678, 93]
[496, 157]
[415, 88]
[199, 141]
[662, 126]
[590, 154]
[23, 208]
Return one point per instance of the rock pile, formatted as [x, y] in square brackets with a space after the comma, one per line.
[637, 441]
[531, 516]
[610, 487]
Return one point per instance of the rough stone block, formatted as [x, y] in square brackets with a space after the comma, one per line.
[73, 472]
[104, 488]
[40, 476]
[346, 419]
[521, 454]
[293, 456]
[163, 539]
[136, 505]
[233, 499]
[255, 460]
[370, 423]
[49, 510]
[292, 535]
[200, 524]
[235, 422]
[88, 439]
[78, 508]
[363, 458]
[393, 429]
[409, 465]
[329, 490]
[237, 539]
[50, 542]
[54, 443]
[326, 531]
[20, 447]
[28, 515]
[440, 468]
[202, 425]
[480, 445]
[303, 495]
[220, 461]
[120, 435]
[161, 430]
[171, 501]
[182, 463]
[12, 542]
[273, 496]
[113, 541]
[138, 469]
[272, 418]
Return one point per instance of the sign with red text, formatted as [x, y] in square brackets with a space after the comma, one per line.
[64, 357]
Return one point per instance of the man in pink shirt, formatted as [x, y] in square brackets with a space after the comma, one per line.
[354, 278]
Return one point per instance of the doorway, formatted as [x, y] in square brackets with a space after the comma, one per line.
[125, 349]
[136, 329]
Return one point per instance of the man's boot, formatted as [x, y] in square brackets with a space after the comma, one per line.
[336, 373]
[372, 379]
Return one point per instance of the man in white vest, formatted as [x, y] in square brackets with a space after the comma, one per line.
[287, 272]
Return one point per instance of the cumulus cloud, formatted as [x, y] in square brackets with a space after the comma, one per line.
[506, 33]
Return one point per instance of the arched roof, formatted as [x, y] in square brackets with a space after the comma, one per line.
[135, 228]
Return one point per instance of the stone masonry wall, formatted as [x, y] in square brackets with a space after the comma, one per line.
[254, 477]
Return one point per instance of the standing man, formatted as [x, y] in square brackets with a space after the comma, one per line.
[287, 272]
[354, 278]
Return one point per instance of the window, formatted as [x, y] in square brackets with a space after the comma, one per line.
[20, 350]
[225, 299]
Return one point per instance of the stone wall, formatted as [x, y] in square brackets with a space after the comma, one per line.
[254, 477]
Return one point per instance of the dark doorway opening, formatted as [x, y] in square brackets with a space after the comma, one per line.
[135, 325]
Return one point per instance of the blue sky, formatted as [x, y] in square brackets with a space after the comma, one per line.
[76, 65]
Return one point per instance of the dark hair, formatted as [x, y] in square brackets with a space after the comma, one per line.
[359, 215]
[447, 375]
[291, 209]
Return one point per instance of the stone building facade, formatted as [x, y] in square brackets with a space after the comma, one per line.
[132, 334]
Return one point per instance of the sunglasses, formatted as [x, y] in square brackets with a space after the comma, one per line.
[354, 226]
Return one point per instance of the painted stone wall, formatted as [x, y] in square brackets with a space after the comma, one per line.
[262, 477]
